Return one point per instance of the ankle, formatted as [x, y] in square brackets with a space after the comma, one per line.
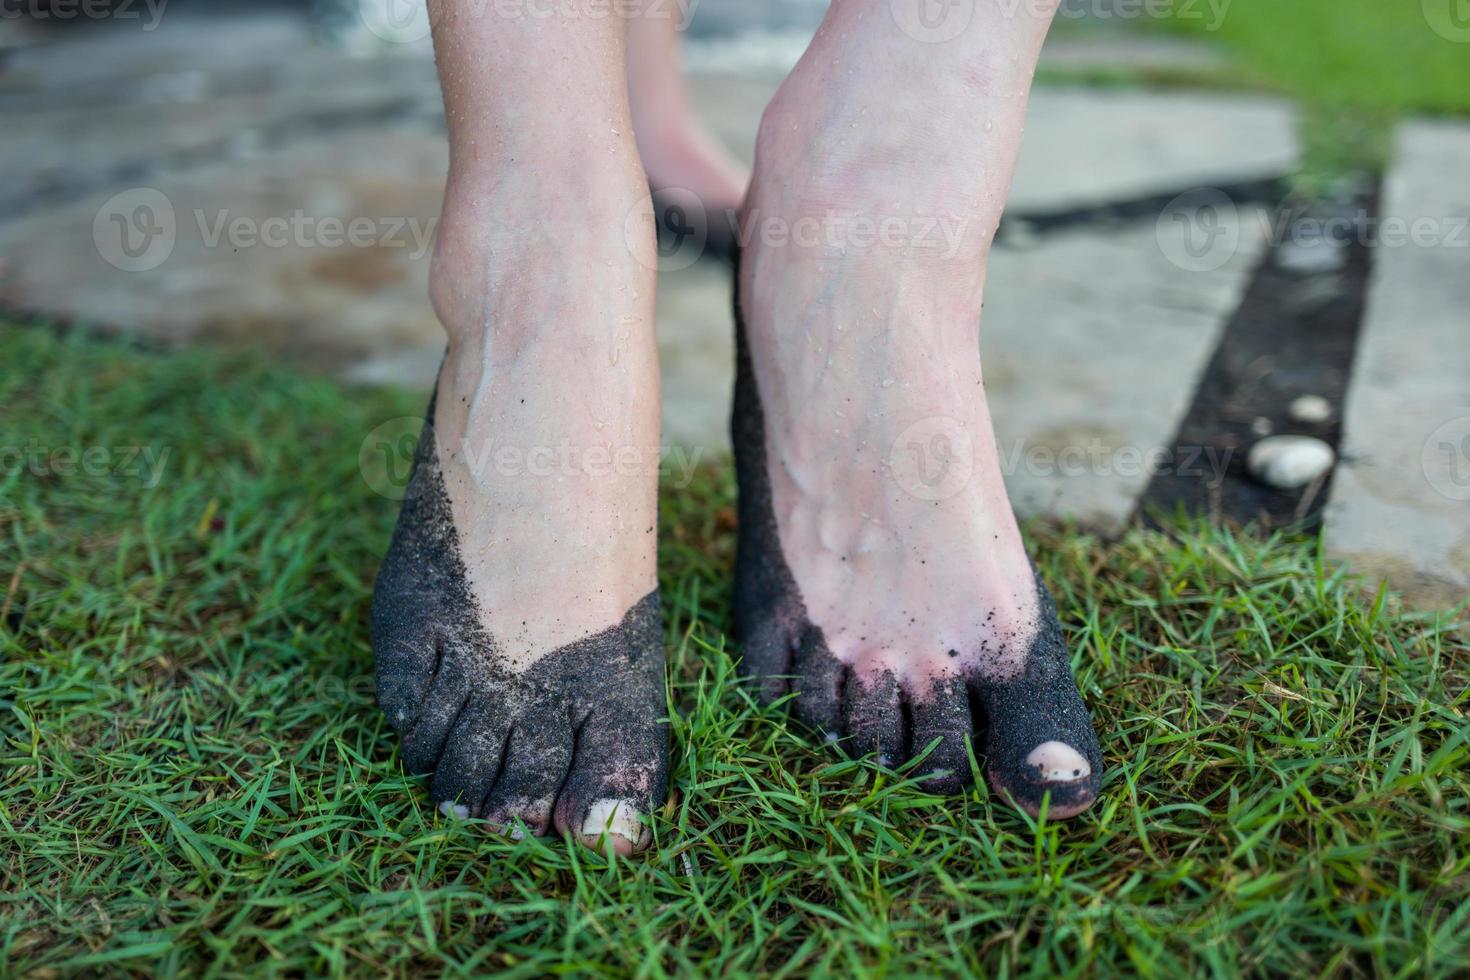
[538, 251]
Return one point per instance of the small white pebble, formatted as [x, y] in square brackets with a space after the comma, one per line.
[1311, 408]
[1288, 462]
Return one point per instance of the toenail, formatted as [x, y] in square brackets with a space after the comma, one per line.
[1058, 762]
[456, 810]
[615, 818]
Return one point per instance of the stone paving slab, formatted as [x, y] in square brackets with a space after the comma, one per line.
[1400, 503]
[1085, 147]
[1093, 342]
[319, 250]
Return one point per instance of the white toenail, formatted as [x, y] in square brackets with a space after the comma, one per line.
[1058, 762]
[456, 810]
[516, 833]
[613, 817]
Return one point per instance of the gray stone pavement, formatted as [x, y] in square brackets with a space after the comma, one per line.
[1400, 505]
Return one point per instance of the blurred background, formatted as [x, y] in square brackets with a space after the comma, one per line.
[1234, 220]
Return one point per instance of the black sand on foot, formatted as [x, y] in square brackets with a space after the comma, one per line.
[785, 652]
[583, 725]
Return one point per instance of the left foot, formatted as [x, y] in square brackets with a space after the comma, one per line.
[881, 576]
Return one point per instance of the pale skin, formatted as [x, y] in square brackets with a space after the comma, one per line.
[547, 409]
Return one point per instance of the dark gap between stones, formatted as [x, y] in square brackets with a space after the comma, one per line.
[1295, 333]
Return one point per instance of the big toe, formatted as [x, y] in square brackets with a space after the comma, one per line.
[1053, 772]
[1041, 749]
[619, 775]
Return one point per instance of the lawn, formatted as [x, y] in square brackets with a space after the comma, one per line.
[1353, 66]
[196, 780]
[1394, 57]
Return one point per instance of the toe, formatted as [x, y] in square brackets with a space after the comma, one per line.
[619, 775]
[537, 756]
[405, 661]
[469, 763]
[874, 717]
[818, 684]
[1040, 746]
[765, 654]
[439, 711]
[942, 718]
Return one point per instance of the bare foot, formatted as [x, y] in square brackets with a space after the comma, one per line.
[516, 626]
[880, 564]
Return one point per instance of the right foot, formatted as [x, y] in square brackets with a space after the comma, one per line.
[516, 624]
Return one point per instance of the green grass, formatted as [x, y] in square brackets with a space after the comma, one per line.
[195, 780]
[1369, 56]
[1354, 66]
